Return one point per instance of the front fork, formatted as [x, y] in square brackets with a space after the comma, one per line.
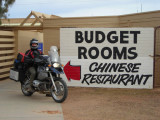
[53, 81]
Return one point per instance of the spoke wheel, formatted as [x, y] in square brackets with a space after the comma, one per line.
[24, 87]
[61, 94]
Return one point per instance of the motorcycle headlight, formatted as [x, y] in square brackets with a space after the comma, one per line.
[56, 65]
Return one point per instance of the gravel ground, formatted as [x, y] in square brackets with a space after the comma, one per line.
[112, 104]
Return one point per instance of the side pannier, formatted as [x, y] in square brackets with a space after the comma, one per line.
[17, 73]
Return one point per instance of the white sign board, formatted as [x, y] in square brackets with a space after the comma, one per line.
[108, 57]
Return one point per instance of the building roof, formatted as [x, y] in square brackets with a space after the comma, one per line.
[33, 19]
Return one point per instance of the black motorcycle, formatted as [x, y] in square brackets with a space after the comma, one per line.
[48, 80]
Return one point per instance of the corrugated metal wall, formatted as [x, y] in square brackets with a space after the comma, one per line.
[148, 19]
[51, 37]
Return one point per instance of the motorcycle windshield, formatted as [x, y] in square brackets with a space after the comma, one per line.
[54, 56]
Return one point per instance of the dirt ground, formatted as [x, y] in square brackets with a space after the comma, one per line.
[112, 104]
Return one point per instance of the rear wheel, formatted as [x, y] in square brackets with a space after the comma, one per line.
[62, 91]
[25, 86]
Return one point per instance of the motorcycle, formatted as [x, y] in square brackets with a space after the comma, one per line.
[48, 80]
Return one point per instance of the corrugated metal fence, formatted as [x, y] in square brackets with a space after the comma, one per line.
[7, 45]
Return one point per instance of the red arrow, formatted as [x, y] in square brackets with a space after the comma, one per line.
[72, 72]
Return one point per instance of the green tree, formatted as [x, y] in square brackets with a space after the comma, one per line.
[4, 6]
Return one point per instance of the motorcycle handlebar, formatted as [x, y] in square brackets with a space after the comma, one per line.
[39, 61]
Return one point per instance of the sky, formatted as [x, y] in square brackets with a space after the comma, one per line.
[82, 8]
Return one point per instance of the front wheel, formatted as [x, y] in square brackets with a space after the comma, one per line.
[62, 91]
[24, 87]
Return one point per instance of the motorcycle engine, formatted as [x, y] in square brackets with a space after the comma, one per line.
[41, 86]
[41, 73]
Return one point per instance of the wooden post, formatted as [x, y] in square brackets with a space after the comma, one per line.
[26, 19]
